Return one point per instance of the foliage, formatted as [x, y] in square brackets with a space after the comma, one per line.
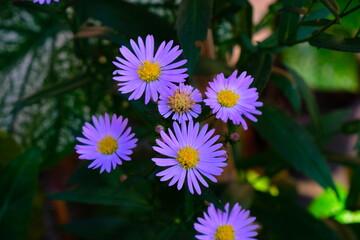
[56, 72]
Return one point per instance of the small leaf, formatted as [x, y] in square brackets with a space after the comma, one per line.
[294, 144]
[289, 21]
[337, 43]
[192, 27]
[259, 66]
[327, 204]
[18, 183]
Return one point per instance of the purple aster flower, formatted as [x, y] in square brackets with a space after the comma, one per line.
[107, 142]
[229, 225]
[44, 1]
[141, 71]
[181, 102]
[231, 98]
[190, 154]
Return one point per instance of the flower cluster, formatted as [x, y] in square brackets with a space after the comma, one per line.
[190, 152]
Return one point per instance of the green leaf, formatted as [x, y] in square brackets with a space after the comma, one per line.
[52, 91]
[294, 144]
[337, 43]
[317, 22]
[99, 228]
[209, 196]
[240, 3]
[192, 26]
[351, 127]
[104, 196]
[167, 233]
[259, 66]
[327, 204]
[9, 149]
[333, 7]
[18, 183]
[286, 220]
[120, 16]
[354, 192]
[289, 21]
[289, 88]
[308, 97]
[331, 124]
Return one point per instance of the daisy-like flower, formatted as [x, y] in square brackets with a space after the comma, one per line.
[181, 102]
[141, 71]
[44, 1]
[190, 154]
[231, 98]
[234, 224]
[107, 142]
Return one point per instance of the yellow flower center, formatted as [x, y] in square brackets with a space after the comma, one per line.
[107, 145]
[180, 102]
[227, 98]
[149, 71]
[187, 157]
[225, 232]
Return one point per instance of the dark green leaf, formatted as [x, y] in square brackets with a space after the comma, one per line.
[352, 201]
[209, 196]
[293, 9]
[308, 97]
[206, 66]
[351, 127]
[8, 147]
[337, 43]
[331, 124]
[120, 16]
[18, 183]
[267, 209]
[333, 7]
[102, 228]
[240, 3]
[53, 90]
[316, 22]
[294, 144]
[289, 22]
[259, 66]
[192, 27]
[290, 90]
[167, 233]
[104, 196]
[110, 228]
